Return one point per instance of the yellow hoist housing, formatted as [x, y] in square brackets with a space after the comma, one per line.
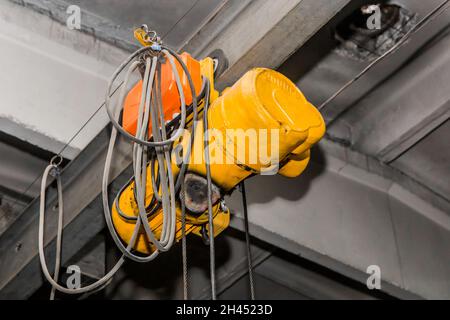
[263, 108]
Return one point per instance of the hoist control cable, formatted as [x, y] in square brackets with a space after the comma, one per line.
[149, 108]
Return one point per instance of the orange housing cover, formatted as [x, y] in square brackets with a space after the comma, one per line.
[169, 92]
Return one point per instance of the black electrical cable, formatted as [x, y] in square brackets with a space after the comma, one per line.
[212, 255]
[247, 241]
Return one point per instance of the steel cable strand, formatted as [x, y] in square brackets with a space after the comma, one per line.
[106, 209]
[110, 226]
[58, 233]
[247, 241]
[42, 260]
[104, 280]
[209, 183]
[167, 191]
[139, 165]
[120, 129]
[125, 250]
[163, 156]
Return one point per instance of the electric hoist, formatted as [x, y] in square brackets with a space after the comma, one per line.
[262, 99]
[191, 145]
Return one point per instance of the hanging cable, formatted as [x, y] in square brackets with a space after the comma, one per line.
[44, 267]
[150, 108]
[169, 220]
[125, 250]
[247, 241]
[184, 245]
[60, 223]
[212, 255]
[127, 135]
[53, 281]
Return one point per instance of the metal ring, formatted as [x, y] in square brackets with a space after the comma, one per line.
[53, 160]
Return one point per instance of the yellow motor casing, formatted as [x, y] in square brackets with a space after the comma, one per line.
[263, 101]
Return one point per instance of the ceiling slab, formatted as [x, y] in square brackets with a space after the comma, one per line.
[429, 160]
[334, 70]
[407, 106]
[55, 80]
[174, 20]
[267, 32]
[347, 220]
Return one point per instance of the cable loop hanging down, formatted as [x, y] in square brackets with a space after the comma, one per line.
[56, 160]
[149, 109]
[53, 281]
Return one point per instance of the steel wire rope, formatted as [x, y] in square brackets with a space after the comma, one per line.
[126, 251]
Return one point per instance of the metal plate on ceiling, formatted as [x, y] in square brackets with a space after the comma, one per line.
[174, 20]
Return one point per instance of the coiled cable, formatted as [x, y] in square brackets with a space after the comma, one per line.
[140, 148]
[212, 255]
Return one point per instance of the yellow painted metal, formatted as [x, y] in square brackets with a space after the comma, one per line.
[241, 122]
[207, 70]
[128, 205]
[141, 35]
[262, 112]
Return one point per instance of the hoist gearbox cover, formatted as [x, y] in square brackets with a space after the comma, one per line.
[169, 92]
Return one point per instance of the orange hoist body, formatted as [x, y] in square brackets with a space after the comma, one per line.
[170, 95]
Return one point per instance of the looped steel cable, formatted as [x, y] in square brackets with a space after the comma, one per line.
[247, 241]
[56, 160]
[184, 245]
[53, 281]
[139, 152]
[212, 254]
[149, 109]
